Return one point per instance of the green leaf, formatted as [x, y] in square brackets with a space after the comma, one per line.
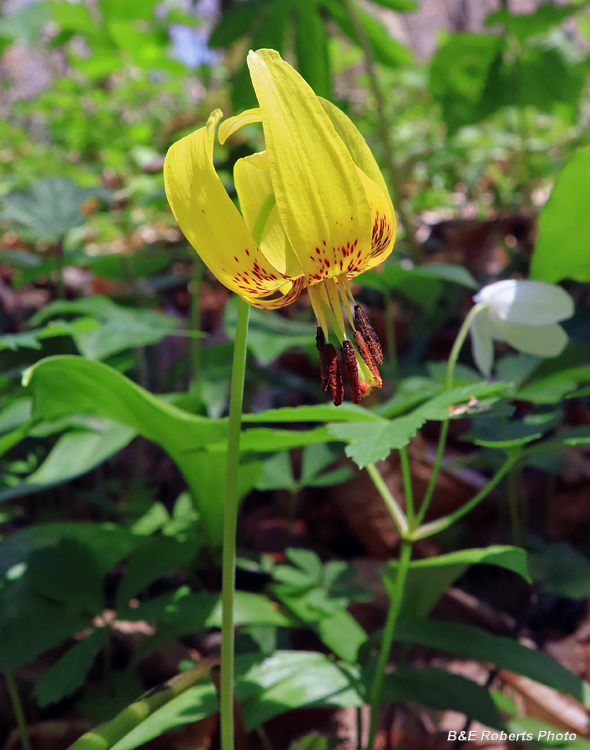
[311, 43]
[347, 412]
[474, 643]
[400, 6]
[74, 454]
[67, 574]
[437, 408]
[458, 74]
[553, 388]
[369, 443]
[284, 681]
[234, 24]
[69, 672]
[108, 543]
[269, 334]
[561, 568]
[385, 49]
[565, 224]
[524, 25]
[49, 208]
[535, 728]
[428, 579]
[312, 741]
[410, 393]
[155, 559]
[72, 385]
[442, 690]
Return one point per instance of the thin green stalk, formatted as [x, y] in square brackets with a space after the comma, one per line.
[195, 321]
[440, 524]
[444, 430]
[395, 181]
[17, 707]
[399, 517]
[387, 639]
[230, 520]
[407, 478]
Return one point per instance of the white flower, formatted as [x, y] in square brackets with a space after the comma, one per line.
[524, 314]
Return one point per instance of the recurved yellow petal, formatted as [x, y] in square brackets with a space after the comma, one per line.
[320, 197]
[209, 219]
[356, 145]
[229, 126]
[255, 191]
[383, 222]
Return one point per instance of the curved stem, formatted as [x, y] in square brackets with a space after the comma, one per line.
[384, 132]
[17, 707]
[399, 517]
[407, 478]
[230, 520]
[440, 524]
[444, 431]
[387, 640]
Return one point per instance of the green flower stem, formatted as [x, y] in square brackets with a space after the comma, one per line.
[513, 504]
[399, 517]
[440, 524]
[444, 430]
[395, 181]
[387, 640]
[407, 477]
[230, 520]
[17, 707]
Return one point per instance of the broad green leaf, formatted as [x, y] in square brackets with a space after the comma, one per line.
[474, 643]
[369, 443]
[437, 688]
[152, 560]
[543, 735]
[342, 634]
[347, 412]
[69, 672]
[553, 388]
[312, 741]
[411, 392]
[74, 454]
[311, 40]
[269, 334]
[437, 408]
[49, 208]
[234, 24]
[524, 25]
[560, 568]
[67, 574]
[565, 224]
[284, 681]
[72, 385]
[108, 542]
[118, 729]
[191, 705]
[428, 579]
[458, 74]
[386, 50]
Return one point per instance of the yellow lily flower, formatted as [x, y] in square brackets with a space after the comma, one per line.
[315, 212]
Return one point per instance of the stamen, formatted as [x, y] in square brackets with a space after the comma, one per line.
[321, 344]
[334, 301]
[345, 301]
[363, 325]
[318, 309]
[368, 359]
[349, 359]
[334, 375]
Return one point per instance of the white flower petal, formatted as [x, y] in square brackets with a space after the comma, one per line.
[534, 303]
[482, 345]
[544, 341]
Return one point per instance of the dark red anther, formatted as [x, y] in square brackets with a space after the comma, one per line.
[334, 375]
[349, 359]
[321, 345]
[363, 325]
